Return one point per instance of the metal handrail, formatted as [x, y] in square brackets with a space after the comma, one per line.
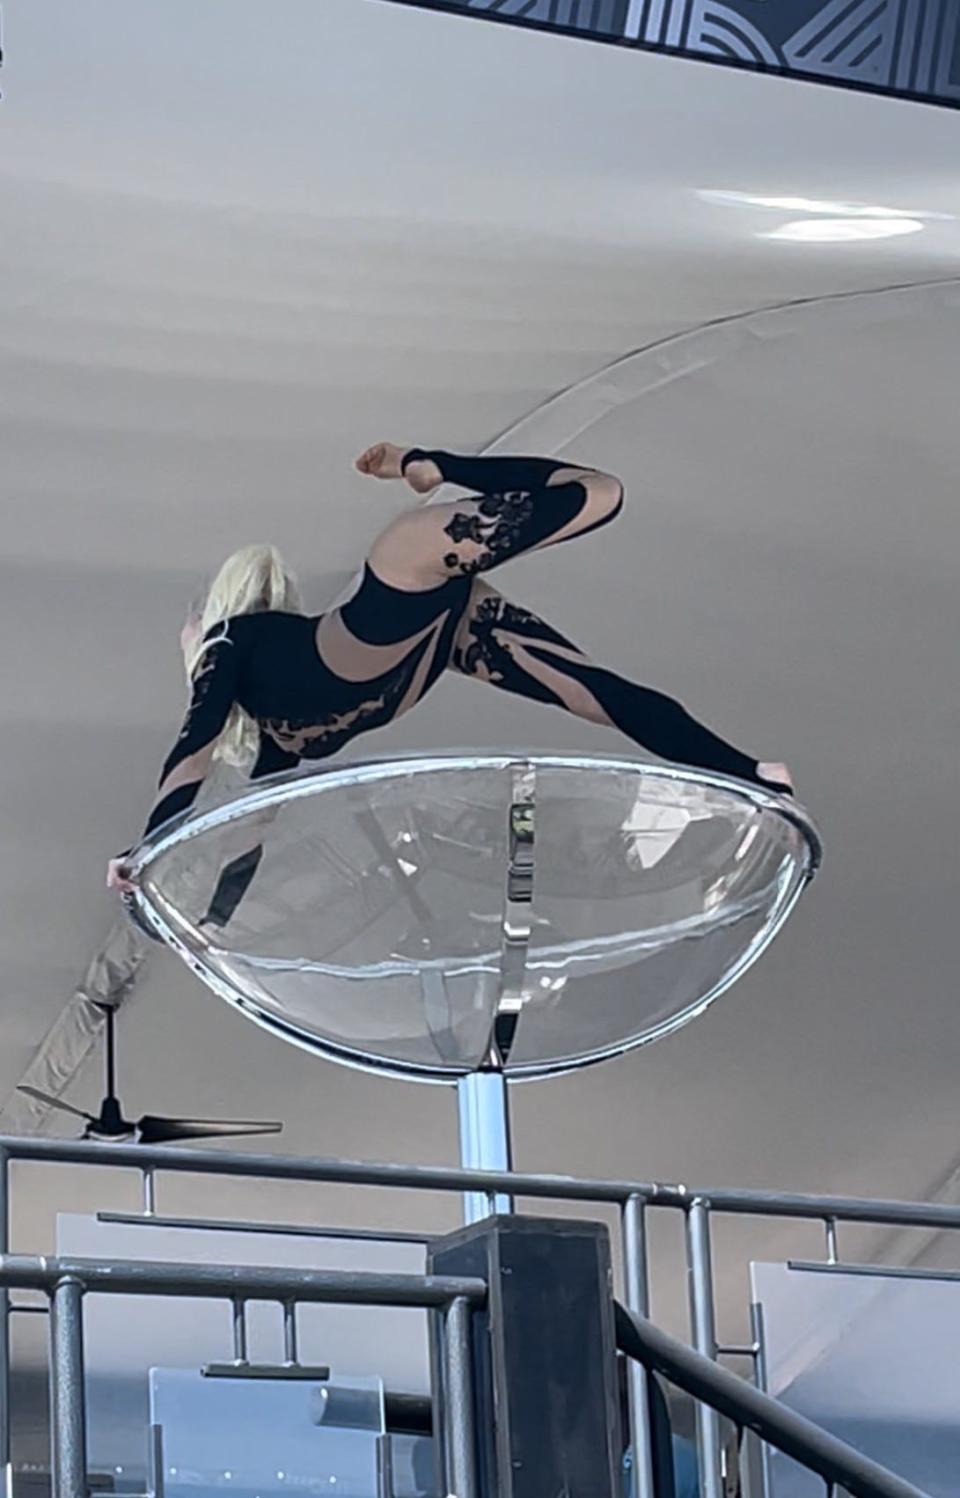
[746, 1406]
[67, 1281]
[631, 1198]
[144, 1158]
[238, 1282]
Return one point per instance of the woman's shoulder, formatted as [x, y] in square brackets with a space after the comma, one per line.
[264, 623]
[227, 633]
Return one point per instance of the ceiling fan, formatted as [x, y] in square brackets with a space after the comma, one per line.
[111, 1126]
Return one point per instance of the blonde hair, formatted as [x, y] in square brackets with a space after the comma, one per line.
[251, 581]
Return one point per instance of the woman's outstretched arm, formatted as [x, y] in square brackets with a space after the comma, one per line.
[187, 764]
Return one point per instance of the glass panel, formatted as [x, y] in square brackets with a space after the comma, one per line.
[869, 1355]
[265, 1438]
[413, 1467]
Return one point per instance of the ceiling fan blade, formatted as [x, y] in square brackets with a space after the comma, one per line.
[55, 1102]
[153, 1130]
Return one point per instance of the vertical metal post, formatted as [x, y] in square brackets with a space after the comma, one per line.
[484, 1116]
[149, 1193]
[290, 1353]
[762, 1380]
[457, 1413]
[703, 1329]
[484, 1138]
[155, 1469]
[240, 1330]
[385, 1488]
[68, 1424]
[5, 1465]
[830, 1223]
[633, 1230]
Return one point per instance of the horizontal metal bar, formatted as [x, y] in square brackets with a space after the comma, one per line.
[316, 1373]
[935, 1215]
[329, 1172]
[746, 1406]
[239, 1282]
[748, 1350]
[275, 1229]
[844, 1209]
[409, 1413]
[883, 1271]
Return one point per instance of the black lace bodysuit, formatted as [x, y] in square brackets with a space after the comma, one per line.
[314, 682]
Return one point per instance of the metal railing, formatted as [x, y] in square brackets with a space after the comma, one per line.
[633, 1200]
[837, 1463]
[66, 1281]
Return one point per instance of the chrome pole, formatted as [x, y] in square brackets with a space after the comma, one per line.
[484, 1114]
[633, 1231]
[703, 1328]
[484, 1138]
[5, 1328]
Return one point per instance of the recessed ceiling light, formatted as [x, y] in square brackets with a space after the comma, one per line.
[843, 230]
[786, 203]
[822, 206]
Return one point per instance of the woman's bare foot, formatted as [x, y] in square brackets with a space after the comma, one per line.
[775, 774]
[384, 461]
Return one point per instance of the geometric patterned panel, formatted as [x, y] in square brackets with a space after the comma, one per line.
[910, 48]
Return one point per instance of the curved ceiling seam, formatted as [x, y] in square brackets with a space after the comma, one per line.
[563, 417]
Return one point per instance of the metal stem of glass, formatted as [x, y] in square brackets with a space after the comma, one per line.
[484, 1138]
[484, 1110]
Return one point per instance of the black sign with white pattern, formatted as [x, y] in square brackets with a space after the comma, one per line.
[909, 48]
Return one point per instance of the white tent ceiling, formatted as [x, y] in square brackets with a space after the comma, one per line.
[236, 248]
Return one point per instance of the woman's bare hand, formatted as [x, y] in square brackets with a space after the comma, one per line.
[117, 876]
[775, 773]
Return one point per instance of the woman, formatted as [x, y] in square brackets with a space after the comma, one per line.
[292, 686]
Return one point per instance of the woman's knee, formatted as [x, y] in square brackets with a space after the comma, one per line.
[404, 554]
[604, 493]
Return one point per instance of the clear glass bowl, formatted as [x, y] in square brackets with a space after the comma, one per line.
[431, 915]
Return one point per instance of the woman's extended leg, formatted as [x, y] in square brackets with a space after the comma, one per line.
[522, 504]
[512, 648]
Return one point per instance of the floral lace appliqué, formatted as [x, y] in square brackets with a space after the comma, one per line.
[494, 526]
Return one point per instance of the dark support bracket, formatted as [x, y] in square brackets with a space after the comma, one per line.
[547, 1411]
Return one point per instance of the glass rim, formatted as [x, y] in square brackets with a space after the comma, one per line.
[295, 785]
